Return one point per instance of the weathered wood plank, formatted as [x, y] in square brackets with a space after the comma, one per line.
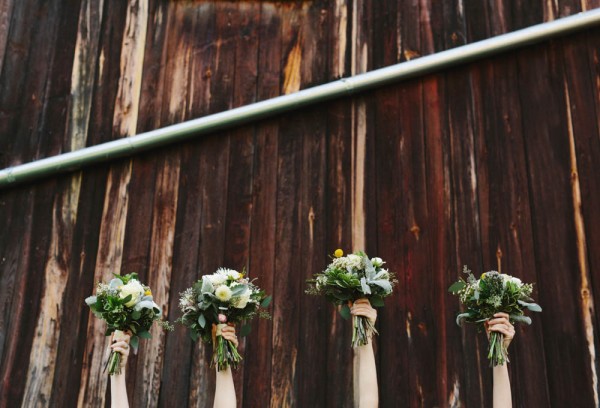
[158, 278]
[439, 231]
[584, 144]
[114, 217]
[391, 171]
[68, 365]
[213, 169]
[548, 159]
[393, 341]
[26, 299]
[504, 209]
[6, 8]
[465, 224]
[257, 372]
[44, 350]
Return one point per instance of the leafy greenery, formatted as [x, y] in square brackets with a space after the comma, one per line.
[125, 313]
[493, 293]
[202, 308]
[352, 277]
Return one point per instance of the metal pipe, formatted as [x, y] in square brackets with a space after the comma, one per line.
[347, 86]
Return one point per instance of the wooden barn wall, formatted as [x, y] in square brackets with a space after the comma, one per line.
[493, 160]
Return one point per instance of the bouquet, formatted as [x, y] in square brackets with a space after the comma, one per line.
[352, 277]
[493, 293]
[226, 296]
[126, 305]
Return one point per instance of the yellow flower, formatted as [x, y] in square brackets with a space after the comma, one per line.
[483, 275]
[148, 292]
[338, 253]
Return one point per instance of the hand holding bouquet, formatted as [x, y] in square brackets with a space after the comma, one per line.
[225, 297]
[491, 294]
[127, 306]
[352, 277]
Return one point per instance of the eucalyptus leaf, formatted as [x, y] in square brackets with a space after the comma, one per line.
[266, 301]
[461, 317]
[245, 330]
[534, 307]
[134, 342]
[207, 286]
[145, 335]
[520, 319]
[376, 301]
[365, 288]
[383, 284]
[115, 283]
[202, 321]
[345, 311]
[457, 287]
[238, 290]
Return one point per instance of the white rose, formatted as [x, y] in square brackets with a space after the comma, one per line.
[133, 288]
[377, 261]
[223, 293]
[516, 280]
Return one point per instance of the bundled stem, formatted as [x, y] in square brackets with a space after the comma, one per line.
[497, 352]
[363, 330]
[114, 363]
[225, 353]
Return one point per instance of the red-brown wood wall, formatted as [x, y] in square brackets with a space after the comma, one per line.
[495, 158]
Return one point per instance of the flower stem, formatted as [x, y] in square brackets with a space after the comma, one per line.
[362, 331]
[114, 363]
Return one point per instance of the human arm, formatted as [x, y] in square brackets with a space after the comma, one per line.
[225, 389]
[366, 370]
[118, 390]
[501, 393]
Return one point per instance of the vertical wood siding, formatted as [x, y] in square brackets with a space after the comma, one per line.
[494, 163]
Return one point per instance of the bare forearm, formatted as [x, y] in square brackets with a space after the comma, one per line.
[367, 376]
[225, 390]
[118, 391]
[502, 393]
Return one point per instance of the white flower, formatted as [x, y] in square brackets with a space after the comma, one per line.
[223, 293]
[351, 261]
[91, 300]
[229, 273]
[133, 288]
[516, 281]
[354, 261]
[320, 281]
[241, 301]
[217, 279]
[187, 300]
[377, 262]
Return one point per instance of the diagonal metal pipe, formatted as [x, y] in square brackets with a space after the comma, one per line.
[343, 87]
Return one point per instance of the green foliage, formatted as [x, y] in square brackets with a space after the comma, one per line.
[110, 307]
[493, 293]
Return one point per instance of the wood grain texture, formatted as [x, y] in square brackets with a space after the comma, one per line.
[495, 161]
